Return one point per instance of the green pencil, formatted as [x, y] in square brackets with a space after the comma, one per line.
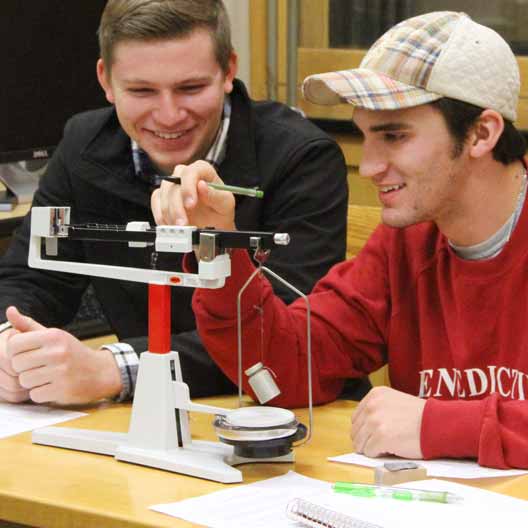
[244, 191]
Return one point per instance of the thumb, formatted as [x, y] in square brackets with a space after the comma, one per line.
[220, 201]
[20, 322]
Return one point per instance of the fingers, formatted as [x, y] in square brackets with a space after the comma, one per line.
[388, 421]
[356, 423]
[167, 202]
[14, 397]
[26, 360]
[222, 202]
[10, 388]
[359, 413]
[360, 439]
[155, 206]
[361, 431]
[36, 377]
[172, 203]
[46, 394]
[34, 357]
[40, 384]
[167, 206]
[369, 440]
[368, 425]
[36, 362]
[54, 366]
[190, 176]
[5, 361]
[24, 349]
[20, 322]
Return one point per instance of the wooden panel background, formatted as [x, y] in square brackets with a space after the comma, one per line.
[315, 57]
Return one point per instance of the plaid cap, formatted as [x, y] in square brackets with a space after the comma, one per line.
[424, 58]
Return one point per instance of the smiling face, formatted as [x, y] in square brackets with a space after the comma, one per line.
[168, 95]
[409, 155]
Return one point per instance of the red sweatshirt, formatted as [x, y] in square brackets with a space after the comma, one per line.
[452, 331]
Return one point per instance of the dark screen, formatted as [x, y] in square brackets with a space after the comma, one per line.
[48, 55]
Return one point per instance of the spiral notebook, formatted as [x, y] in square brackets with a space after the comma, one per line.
[313, 515]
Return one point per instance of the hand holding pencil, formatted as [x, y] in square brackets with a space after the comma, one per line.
[242, 191]
[199, 198]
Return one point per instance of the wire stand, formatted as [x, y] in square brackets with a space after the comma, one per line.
[260, 256]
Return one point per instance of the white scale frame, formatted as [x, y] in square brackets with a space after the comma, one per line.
[159, 435]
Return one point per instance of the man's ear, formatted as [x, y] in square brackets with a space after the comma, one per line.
[103, 76]
[485, 133]
[231, 72]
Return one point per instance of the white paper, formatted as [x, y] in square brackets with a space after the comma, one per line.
[263, 505]
[258, 505]
[18, 418]
[450, 468]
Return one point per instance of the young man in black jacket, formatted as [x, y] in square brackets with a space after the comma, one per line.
[168, 68]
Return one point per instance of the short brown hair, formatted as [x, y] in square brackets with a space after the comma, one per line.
[461, 116]
[151, 20]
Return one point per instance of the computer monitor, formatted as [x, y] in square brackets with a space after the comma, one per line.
[48, 54]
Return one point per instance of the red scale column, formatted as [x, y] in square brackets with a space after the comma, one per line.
[159, 332]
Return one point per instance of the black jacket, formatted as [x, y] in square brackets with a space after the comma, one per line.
[300, 169]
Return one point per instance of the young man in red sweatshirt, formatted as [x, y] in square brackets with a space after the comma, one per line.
[439, 291]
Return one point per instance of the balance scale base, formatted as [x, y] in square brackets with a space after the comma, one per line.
[159, 434]
[209, 460]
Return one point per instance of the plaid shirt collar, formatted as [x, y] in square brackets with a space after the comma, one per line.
[147, 172]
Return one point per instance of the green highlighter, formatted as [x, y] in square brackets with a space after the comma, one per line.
[388, 492]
